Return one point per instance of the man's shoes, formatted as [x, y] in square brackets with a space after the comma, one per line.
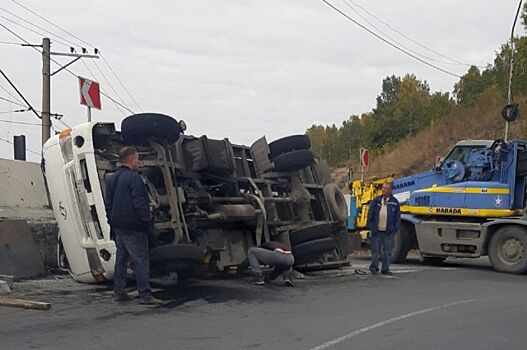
[388, 273]
[288, 281]
[258, 280]
[151, 301]
[374, 272]
[123, 298]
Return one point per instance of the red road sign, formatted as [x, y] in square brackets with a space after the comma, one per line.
[364, 157]
[90, 93]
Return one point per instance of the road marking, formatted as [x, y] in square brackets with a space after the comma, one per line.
[343, 338]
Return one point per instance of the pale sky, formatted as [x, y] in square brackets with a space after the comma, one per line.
[240, 69]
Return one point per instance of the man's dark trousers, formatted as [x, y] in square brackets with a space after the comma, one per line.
[133, 244]
[381, 239]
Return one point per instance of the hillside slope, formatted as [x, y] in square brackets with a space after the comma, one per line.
[418, 153]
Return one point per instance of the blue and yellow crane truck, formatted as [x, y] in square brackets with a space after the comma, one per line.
[472, 204]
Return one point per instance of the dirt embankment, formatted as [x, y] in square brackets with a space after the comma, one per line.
[418, 153]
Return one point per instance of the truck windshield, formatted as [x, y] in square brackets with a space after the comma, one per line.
[461, 153]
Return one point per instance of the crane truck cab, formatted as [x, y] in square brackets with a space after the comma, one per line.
[472, 204]
[210, 200]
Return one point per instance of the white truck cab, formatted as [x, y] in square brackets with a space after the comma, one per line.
[78, 204]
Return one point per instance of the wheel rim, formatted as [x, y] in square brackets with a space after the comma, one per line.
[511, 251]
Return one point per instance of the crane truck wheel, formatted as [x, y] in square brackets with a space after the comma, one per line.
[508, 250]
[401, 243]
[337, 202]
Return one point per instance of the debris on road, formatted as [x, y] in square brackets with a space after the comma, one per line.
[4, 288]
[25, 304]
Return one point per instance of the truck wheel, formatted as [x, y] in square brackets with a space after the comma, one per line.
[315, 246]
[288, 144]
[294, 160]
[508, 250]
[336, 201]
[310, 233]
[138, 128]
[401, 244]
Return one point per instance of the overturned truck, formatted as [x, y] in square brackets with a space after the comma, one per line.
[210, 200]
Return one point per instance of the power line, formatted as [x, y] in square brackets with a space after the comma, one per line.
[59, 64]
[37, 26]
[87, 43]
[411, 39]
[53, 24]
[388, 42]
[395, 41]
[102, 90]
[11, 101]
[27, 149]
[13, 122]
[120, 82]
[107, 81]
[31, 30]
[10, 43]
[10, 94]
[20, 94]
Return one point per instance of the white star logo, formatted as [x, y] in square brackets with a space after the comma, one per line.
[499, 200]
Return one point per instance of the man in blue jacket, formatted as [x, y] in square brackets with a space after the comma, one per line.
[384, 219]
[128, 213]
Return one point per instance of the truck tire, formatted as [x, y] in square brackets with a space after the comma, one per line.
[508, 250]
[313, 247]
[173, 252]
[138, 128]
[401, 243]
[310, 233]
[337, 202]
[294, 160]
[288, 144]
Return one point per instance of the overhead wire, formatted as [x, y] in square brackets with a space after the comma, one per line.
[394, 40]
[31, 30]
[37, 26]
[411, 39]
[120, 82]
[11, 95]
[349, 18]
[15, 122]
[55, 36]
[50, 22]
[59, 64]
[86, 43]
[11, 101]
[27, 149]
[20, 93]
[10, 43]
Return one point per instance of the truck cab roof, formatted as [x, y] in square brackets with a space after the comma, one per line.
[482, 143]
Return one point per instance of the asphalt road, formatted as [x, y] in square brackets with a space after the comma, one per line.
[461, 305]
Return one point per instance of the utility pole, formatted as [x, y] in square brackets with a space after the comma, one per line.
[46, 80]
[46, 89]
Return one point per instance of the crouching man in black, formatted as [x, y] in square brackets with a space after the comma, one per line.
[275, 255]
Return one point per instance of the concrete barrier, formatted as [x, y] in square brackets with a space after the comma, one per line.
[24, 197]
